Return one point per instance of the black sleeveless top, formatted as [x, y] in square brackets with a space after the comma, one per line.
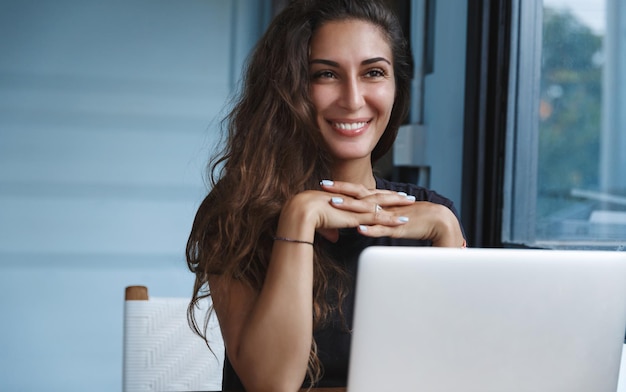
[333, 340]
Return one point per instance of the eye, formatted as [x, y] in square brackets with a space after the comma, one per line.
[375, 73]
[324, 74]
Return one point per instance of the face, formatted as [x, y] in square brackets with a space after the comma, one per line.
[352, 87]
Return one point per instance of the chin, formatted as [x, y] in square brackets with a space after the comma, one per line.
[351, 155]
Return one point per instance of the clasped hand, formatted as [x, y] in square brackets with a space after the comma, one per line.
[377, 213]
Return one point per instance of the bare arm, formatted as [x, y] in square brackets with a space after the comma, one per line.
[268, 334]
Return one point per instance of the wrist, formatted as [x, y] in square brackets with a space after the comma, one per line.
[448, 232]
[296, 220]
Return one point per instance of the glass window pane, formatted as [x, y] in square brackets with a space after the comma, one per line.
[579, 149]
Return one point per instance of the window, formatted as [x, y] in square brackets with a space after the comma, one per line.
[565, 171]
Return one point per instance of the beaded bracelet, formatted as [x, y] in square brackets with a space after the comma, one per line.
[292, 240]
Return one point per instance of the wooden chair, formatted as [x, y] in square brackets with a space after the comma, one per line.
[161, 353]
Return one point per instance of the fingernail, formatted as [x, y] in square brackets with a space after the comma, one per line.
[402, 193]
[327, 183]
[362, 228]
[336, 200]
[411, 198]
[403, 219]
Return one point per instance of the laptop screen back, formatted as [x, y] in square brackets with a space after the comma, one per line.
[442, 319]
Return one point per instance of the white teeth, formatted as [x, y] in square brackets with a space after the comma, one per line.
[350, 126]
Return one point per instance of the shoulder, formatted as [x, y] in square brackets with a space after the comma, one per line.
[420, 193]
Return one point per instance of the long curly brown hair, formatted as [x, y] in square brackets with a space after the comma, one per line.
[274, 151]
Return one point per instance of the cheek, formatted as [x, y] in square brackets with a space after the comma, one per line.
[385, 100]
[319, 98]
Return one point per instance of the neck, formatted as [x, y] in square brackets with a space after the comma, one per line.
[355, 172]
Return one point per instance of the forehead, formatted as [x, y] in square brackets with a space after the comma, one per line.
[350, 39]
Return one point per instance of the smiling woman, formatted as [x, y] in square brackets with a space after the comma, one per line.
[295, 200]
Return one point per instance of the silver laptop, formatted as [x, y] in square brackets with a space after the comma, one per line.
[501, 320]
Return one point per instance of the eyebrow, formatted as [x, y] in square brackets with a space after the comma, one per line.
[336, 64]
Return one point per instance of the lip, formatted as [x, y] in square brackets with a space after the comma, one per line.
[349, 128]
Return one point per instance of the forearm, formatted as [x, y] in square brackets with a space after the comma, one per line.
[274, 345]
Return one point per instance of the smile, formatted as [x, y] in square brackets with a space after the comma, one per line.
[349, 126]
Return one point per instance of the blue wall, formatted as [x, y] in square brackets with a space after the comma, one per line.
[108, 113]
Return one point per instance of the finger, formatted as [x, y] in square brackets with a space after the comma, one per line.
[384, 206]
[388, 200]
[377, 197]
[358, 191]
[394, 230]
[354, 205]
[373, 202]
[369, 214]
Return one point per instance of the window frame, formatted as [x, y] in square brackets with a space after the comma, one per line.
[521, 156]
[486, 104]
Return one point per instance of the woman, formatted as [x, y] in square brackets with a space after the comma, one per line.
[276, 241]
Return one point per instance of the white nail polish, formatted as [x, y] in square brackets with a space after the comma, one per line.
[411, 198]
[403, 219]
[327, 183]
[336, 200]
[402, 193]
[362, 228]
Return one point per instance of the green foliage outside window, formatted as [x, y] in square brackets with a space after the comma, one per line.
[570, 110]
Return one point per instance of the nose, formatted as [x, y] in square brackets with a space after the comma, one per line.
[352, 97]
